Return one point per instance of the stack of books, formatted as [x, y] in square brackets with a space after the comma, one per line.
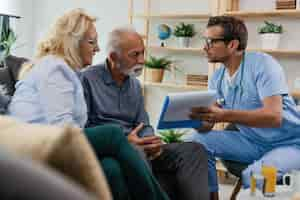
[196, 80]
[285, 4]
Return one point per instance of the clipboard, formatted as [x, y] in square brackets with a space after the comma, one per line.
[176, 107]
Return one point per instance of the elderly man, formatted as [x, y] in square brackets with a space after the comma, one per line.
[114, 95]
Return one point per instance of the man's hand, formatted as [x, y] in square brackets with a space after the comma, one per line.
[133, 137]
[150, 144]
[155, 147]
[211, 114]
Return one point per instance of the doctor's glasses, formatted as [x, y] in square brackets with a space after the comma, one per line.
[209, 42]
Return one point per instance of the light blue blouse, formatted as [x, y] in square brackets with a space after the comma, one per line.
[51, 93]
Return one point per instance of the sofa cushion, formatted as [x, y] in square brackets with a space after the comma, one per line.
[64, 149]
[9, 73]
[26, 179]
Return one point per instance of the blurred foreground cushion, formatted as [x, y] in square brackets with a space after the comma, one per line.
[64, 149]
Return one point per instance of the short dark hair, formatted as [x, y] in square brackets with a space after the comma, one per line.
[234, 29]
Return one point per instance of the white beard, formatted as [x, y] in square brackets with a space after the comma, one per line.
[135, 71]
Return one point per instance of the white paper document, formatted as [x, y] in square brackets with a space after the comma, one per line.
[180, 104]
[177, 107]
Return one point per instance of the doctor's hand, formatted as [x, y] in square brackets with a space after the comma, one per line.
[211, 114]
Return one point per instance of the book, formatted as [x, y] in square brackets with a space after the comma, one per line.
[177, 107]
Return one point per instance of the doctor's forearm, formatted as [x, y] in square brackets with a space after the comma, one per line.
[257, 118]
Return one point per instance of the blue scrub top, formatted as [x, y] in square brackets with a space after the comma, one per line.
[259, 76]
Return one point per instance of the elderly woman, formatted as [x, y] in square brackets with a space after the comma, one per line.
[50, 92]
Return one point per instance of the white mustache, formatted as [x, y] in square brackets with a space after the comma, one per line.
[135, 71]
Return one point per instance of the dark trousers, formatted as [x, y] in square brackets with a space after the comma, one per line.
[182, 171]
[126, 173]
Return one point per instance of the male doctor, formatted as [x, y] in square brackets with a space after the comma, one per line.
[252, 95]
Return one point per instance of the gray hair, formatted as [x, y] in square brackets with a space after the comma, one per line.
[116, 38]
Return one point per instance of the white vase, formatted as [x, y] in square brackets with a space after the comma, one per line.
[184, 42]
[270, 40]
[297, 4]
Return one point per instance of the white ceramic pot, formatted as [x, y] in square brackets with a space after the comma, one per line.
[270, 40]
[297, 4]
[184, 42]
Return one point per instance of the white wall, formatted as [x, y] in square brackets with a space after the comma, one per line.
[23, 28]
[109, 13]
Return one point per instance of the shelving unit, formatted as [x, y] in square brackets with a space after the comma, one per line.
[175, 86]
[260, 14]
[231, 8]
[176, 49]
[148, 16]
[276, 52]
[226, 7]
[174, 16]
[279, 52]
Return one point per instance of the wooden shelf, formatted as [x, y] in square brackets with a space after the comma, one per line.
[193, 50]
[272, 13]
[278, 52]
[143, 36]
[296, 94]
[175, 16]
[174, 86]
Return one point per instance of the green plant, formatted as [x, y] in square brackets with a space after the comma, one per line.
[270, 27]
[7, 38]
[158, 63]
[184, 30]
[171, 136]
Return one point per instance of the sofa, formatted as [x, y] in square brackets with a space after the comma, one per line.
[9, 72]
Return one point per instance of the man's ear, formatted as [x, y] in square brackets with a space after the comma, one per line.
[234, 44]
[113, 56]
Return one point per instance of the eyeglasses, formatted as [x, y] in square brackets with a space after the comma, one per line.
[211, 41]
[93, 42]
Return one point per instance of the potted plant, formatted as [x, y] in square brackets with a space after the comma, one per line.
[171, 136]
[156, 66]
[184, 33]
[7, 39]
[270, 35]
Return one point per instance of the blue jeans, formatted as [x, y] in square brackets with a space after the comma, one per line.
[233, 145]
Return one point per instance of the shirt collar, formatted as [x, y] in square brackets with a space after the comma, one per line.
[107, 76]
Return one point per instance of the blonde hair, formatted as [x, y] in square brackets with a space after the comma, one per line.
[63, 39]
